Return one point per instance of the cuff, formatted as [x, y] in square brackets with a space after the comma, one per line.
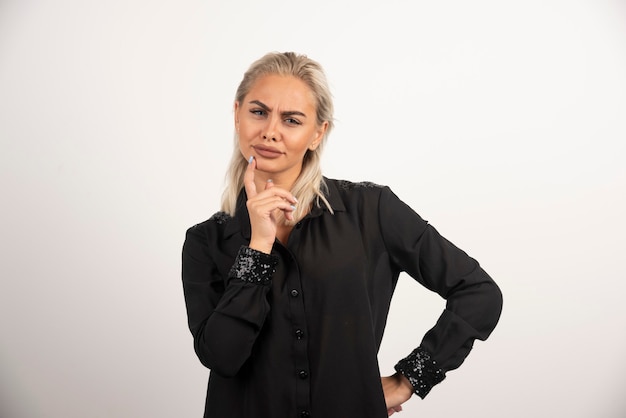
[421, 370]
[253, 266]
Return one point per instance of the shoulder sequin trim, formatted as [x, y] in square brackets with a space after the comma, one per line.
[220, 218]
[421, 370]
[253, 266]
[348, 185]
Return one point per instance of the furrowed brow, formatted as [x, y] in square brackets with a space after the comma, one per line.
[293, 113]
[285, 113]
[261, 105]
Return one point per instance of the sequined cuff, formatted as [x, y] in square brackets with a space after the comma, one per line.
[253, 266]
[421, 370]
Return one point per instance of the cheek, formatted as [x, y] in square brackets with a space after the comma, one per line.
[247, 131]
[244, 146]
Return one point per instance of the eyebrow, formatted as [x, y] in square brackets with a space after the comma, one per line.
[285, 113]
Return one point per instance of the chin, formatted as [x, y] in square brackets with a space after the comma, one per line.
[265, 166]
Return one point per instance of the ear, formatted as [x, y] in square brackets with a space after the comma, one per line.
[236, 114]
[319, 136]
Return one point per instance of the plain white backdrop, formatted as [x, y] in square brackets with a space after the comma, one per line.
[502, 123]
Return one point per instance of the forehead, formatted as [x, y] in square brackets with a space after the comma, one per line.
[284, 92]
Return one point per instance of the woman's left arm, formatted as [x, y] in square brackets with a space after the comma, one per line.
[474, 301]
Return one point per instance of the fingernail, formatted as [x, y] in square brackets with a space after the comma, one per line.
[293, 207]
[270, 181]
[294, 198]
[251, 159]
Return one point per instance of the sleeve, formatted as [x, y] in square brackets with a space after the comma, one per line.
[225, 314]
[473, 300]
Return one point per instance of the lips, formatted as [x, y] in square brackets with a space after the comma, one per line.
[267, 152]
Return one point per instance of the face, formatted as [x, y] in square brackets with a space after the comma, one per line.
[277, 124]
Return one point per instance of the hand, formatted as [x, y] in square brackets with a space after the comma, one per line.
[397, 390]
[262, 207]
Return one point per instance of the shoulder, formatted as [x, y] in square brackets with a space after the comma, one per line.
[366, 195]
[351, 186]
[217, 219]
[212, 226]
[348, 190]
[354, 196]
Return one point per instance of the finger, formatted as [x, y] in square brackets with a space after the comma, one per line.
[248, 178]
[275, 191]
[272, 190]
[287, 211]
[268, 204]
[285, 205]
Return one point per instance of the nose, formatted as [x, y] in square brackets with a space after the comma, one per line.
[271, 131]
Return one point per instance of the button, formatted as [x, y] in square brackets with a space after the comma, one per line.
[294, 293]
[303, 374]
[305, 414]
[299, 225]
[299, 334]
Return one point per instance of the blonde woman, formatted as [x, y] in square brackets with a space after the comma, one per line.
[288, 287]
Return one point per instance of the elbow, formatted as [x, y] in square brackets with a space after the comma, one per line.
[480, 306]
[224, 352]
[223, 368]
[225, 363]
[491, 302]
[497, 302]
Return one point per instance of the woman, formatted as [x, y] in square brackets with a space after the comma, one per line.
[288, 287]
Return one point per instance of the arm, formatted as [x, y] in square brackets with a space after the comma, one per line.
[225, 314]
[226, 311]
[474, 301]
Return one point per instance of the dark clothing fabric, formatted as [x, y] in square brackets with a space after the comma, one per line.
[296, 333]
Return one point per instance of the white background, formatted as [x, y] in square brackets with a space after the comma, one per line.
[501, 122]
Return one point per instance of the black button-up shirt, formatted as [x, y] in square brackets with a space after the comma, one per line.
[296, 333]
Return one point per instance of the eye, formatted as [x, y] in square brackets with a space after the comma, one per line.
[258, 112]
[293, 121]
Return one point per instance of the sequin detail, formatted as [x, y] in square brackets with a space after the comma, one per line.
[220, 217]
[421, 370]
[348, 185]
[253, 266]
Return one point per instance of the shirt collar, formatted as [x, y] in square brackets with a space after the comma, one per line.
[333, 196]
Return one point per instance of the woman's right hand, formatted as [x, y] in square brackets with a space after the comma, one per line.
[262, 207]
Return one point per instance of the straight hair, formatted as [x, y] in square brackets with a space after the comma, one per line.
[310, 186]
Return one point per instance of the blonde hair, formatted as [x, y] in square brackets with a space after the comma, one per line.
[309, 187]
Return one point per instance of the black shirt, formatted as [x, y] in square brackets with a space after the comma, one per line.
[296, 333]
